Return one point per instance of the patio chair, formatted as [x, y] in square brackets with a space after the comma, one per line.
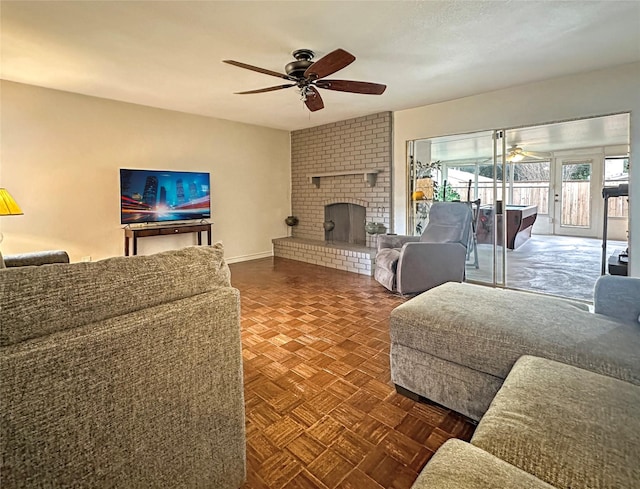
[413, 264]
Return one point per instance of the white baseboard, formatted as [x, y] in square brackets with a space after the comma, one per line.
[254, 256]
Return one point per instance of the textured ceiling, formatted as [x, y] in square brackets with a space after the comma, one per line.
[168, 54]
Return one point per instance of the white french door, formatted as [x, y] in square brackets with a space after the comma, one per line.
[577, 204]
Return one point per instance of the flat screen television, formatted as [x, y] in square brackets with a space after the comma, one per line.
[163, 196]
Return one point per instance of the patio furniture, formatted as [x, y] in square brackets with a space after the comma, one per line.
[473, 238]
[520, 220]
[618, 266]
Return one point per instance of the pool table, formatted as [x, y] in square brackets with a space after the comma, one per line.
[520, 219]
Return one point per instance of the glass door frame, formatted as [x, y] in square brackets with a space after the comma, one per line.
[499, 242]
[495, 145]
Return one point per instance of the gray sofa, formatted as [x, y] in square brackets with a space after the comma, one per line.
[455, 344]
[122, 373]
[551, 425]
[556, 388]
[35, 258]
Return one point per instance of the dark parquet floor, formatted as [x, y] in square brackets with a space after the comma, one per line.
[321, 410]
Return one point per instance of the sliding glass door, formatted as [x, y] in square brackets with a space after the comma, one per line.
[465, 168]
[540, 214]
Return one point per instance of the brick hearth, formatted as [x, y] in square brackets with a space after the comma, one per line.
[343, 256]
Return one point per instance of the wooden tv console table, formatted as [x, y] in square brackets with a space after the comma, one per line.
[144, 232]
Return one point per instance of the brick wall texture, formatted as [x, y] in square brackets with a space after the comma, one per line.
[355, 144]
[332, 256]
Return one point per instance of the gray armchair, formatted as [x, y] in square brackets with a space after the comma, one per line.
[413, 264]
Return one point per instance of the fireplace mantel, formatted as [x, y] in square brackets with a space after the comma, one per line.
[370, 175]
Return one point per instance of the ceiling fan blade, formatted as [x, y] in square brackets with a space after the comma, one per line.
[329, 64]
[314, 100]
[270, 89]
[352, 86]
[541, 155]
[255, 68]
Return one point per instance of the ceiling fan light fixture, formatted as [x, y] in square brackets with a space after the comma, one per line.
[515, 157]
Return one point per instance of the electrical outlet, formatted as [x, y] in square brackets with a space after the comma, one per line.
[85, 258]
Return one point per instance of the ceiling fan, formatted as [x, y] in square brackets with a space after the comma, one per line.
[310, 75]
[516, 153]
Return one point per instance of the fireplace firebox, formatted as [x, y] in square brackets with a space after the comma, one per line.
[348, 223]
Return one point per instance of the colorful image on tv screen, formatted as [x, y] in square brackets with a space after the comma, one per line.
[159, 196]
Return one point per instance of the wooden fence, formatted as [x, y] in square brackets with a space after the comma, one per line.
[575, 195]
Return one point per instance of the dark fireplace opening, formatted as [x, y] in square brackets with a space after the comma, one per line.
[348, 223]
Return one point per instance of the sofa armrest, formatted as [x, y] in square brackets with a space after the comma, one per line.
[395, 240]
[36, 258]
[618, 297]
[422, 266]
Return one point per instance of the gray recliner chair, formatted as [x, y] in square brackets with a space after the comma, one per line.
[413, 264]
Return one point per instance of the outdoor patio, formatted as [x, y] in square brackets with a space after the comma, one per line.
[558, 265]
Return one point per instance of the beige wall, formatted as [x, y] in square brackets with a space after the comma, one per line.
[60, 154]
[584, 95]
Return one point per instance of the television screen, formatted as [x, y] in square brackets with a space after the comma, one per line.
[161, 196]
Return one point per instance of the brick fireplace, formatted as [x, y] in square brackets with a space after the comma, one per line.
[346, 162]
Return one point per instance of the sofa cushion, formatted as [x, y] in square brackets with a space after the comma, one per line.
[567, 426]
[41, 300]
[458, 465]
[488, 329]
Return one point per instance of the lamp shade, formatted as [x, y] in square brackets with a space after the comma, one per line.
[8, 206]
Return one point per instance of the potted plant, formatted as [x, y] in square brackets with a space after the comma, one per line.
[424, 179]
[425, 192]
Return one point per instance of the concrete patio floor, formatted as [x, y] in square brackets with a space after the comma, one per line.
[558, 265]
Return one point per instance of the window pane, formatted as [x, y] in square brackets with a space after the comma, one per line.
[616, 171]
[576, 194]
[531, 185]
[458, 176]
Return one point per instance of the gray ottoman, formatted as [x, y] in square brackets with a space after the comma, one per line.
[456, 343]
[567, 426]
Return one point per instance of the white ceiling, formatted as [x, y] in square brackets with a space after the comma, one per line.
[168, 54]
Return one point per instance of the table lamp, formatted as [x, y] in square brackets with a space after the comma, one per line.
[8, 206]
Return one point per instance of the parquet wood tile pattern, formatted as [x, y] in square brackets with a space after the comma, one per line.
[321, 411]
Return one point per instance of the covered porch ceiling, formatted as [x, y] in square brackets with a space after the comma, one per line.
[611, 130]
